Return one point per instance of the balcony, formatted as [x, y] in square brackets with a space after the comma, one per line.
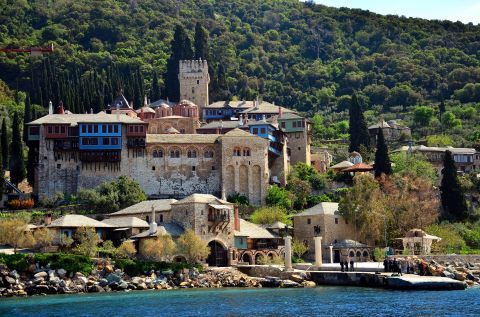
[136, 143]
[218, 216]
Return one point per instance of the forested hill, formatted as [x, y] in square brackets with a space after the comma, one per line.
[301, 55]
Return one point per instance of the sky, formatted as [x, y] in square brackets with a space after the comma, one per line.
[454, 10]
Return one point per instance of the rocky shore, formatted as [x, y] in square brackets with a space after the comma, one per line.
[461, 271]
[45, 281]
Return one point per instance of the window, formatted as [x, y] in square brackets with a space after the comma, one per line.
[198, 82]
[309, 221]
[114, 141]
[153, 168]
[346, 221]
[104, 128]
[193, 90]
[336, 221]
[182, 131]
[161, 218]
[59, 166]
[110, 128]
[213, 168]
[62, 129]
[263, 131]
[136, 129]
[294, 124]
[106, 141]
[283, 125]
[246, 152]
[115, 128]
[192, 154]
[95, 128]
[237, 152]
[174, 153]
[84, 141]
[193, 168]
[90, 128]
[255, 131]
[157, 153]
[84, 129]
[50, 129]
[57, 129]
[208, 154]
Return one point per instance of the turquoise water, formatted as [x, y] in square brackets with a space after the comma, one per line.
[320, 301]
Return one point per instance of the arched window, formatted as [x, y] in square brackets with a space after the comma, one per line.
[246, 151]
[157, 153]
[237, 151]
[192, 153]
[175, 153]
[208, 153]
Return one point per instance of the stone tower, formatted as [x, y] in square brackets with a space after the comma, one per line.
[194, 79]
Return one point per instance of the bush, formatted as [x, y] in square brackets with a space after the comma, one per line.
[238, 199]
[69, 262]
[126, 250]
[19, 262]
[135, 268]
[17, 204]
[269, 215]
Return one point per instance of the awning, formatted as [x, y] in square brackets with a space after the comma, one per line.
[220, 207]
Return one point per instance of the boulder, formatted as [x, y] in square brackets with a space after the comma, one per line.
[122, 285]
[103, 282]
[41, 274]
[296, 278]
[460, 276]
[309, 284]
[113, 277]
[108, 269]
[95, 289]
[14, 274]
[82, 279]
[289, 284]
[10, 280]
[448, 274]
[142, 287]
[137, 280]
[61, 273]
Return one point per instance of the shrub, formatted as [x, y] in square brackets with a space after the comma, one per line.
[19, 262]
[158, 249]
[192, 247]
[238, 199]
[269, 215]
[126, 250]
[17, 204]
[69, 262]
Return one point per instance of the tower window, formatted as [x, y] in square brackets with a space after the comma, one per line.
[198, 82]
[153, 168]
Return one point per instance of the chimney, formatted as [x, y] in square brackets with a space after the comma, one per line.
[236, 218]
[145, 102]
[60, 109]
[91, 110]
[142, 115]
[47, 219]
[279, 111]
[50, 107]
[153, 224]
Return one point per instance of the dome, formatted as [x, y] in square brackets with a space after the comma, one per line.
[354, 154]
[163, 105]
[186, 103]
[172, 130]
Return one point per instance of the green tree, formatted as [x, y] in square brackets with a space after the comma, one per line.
[17, 168]
[413, 166]
[2, 175]
[439, 140]
[358, 128]
[382, 160]
[299, 248]
[27, 117]
[269, 215]
[423, 115]
[279, 196]
[31, 165]
[5, 144]
[453, 199]
[449, 120]
[88, 240]
[155, 93]
[201, 42]
[192, 247]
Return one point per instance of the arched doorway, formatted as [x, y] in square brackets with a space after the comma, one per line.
[218, 254]
[246, 258]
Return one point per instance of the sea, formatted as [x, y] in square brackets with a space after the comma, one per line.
[319, 301]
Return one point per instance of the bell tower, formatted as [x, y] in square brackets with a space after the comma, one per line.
[194, 79]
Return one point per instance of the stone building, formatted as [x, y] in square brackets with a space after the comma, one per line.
[322, 220]
[194, 80]
[466, 159]
[392, 131]
[298, 132]
[231, 239]
[320, 159]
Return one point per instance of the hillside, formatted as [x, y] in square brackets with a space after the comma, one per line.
[303, 56]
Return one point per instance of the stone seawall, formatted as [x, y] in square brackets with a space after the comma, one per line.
[442, 259]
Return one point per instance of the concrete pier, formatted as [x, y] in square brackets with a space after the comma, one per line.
[386, 280]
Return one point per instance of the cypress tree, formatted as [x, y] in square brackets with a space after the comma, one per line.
[26, 117]
[155, 90]
[201, 42]
[2, 177]
[382, 160]
[5, 143]
[181, 50]
[453, 198]
[358, 128]
[17, 168]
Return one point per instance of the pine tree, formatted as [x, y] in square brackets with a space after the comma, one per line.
[5, 144]
[181, 50]
[2, 177]
[201, 42]
[17, 168]
[155, 90]
[26, 117]
[358, 128]
[453, 198]
[382, 160]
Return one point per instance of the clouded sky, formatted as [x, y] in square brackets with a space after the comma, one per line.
[453, 10]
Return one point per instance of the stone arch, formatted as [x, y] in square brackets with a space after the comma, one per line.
[158, 152]
[351, 254]
[259, 257]
[218, 254]
[179, 259]
[358, 255]
[229, 180]
[271, 255]
[247, 258]
[243, 180]
[256, 184]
